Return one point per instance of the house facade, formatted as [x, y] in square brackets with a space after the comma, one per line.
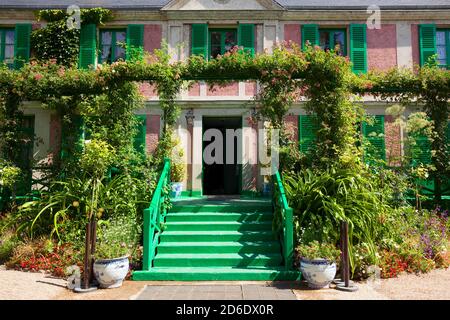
[401, 34]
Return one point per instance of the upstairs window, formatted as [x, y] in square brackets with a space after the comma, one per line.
[333, 39]
[112, 45]
[7, 38]
[221, 41]
[443, 47]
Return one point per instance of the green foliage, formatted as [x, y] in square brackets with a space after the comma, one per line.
[322, 199]
[9, 175]
[98, 155]
[88, 16]
[56, 41]
[118, 237]
[315, 250]
[8, 241]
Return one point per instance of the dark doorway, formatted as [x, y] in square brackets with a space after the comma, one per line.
[222, 178]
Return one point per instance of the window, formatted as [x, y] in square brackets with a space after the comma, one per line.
[221, 41]
[112, 45]
[7, 37]
[330, 38]
[443, 48]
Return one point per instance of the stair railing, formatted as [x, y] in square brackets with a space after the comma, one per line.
[154, 216]
[285, 216]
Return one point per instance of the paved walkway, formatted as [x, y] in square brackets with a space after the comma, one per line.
[218, 292]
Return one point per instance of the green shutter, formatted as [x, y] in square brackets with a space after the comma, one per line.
[374, 133]
[421, 152]
[358, 48]
[139, 139]
[88, 45]
[200, 40]
[135, 41]
[427, 42]
[307, 129]
[246, 37]
[22, 44]
[310, 32]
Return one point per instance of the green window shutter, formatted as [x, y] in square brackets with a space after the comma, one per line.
[246, 37]
[310, 32]
[135, 41]
[375, 135]
[358, 48]
[421, 152]
[22, 44]
[88, 45]
[139, 139]
[200, 40]
[307, 127]
[427, 42]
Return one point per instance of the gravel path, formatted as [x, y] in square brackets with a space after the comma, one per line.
[17, 285]
[38, 286]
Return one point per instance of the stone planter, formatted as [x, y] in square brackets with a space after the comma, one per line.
[177, 188]
[317, 272]
[111, 272]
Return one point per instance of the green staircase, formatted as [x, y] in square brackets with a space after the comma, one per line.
[218, 240]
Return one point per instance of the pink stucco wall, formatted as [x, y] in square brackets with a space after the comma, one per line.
[392, 138]
[415, 44]
[291, 125]
[55, 135]
[250, 88]
[152, 37]
[382, 47]
[148, 90]
[194, 91]
[231, 89]
[152, 133]
[292, 33]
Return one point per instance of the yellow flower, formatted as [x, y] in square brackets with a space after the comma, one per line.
[76, 204]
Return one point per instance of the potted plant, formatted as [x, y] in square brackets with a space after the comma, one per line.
[177, 170]
[318, 263]
[117, 242]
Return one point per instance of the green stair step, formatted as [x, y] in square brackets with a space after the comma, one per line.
[229, 208]
[220, 247]
[216, 260]
[218, 273]
[218, 216]
[219, 226]
[203, 236]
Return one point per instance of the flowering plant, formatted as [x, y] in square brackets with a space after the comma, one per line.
[316, 250]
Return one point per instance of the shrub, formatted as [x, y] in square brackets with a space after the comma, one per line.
[316, 250]
[8, 241]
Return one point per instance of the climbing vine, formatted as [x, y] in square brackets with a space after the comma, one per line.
[322, 77]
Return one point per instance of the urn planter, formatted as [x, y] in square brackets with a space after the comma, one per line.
[318, 272]
[111, 272]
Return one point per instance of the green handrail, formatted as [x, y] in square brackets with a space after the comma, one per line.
[154, 215]
[287, 230]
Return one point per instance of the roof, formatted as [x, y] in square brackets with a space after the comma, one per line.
[288, 4]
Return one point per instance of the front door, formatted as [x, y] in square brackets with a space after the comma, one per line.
[222, 178]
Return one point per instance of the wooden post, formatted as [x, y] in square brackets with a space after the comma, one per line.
[346, 257]
[93, 227]
[87, 253]
[341, 246]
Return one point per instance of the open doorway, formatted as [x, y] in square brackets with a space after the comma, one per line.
[222, 178]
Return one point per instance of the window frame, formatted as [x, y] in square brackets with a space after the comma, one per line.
[331, 31]
[223, 31]
[113, 43]
[447, 47]
[3, 31]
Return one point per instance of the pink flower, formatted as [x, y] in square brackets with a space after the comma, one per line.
[38, 76]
